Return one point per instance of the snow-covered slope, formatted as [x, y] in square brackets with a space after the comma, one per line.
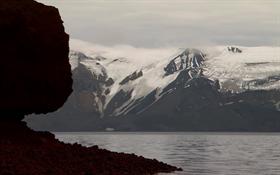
[149, 70]
[252, 68]
[221, 88]
[137, 73]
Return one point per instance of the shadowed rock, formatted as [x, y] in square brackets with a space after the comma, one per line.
[36, 78]
[24, 152]
[34, 70]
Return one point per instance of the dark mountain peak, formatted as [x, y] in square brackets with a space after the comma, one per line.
[234, 49]
[188, 59]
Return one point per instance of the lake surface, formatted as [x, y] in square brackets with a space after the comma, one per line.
[196, 153]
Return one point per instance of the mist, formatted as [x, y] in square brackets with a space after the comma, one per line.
[175, 23]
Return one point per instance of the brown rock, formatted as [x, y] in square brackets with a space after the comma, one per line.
[34, 69]
[25, 152]
[35, 77]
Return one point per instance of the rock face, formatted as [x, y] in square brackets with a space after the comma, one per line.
[186, 95]
[190, 59]
[131, 77]
[36, 78]
[234, 49]
[35, 72]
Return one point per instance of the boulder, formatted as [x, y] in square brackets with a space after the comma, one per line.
[34, 69]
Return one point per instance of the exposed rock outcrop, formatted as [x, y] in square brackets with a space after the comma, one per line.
[24, 151]
[34, 70]
[234, 49]
[190, 59]
[36, 78]
[131, 77]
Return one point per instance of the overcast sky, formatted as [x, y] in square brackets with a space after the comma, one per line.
[165, 23]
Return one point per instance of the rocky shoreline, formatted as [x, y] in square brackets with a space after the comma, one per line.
[23, 151]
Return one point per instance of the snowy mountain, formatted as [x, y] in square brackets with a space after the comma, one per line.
[129, 88]
[253, 68]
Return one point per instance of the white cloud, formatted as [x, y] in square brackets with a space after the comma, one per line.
[138, 55]
[159, 23]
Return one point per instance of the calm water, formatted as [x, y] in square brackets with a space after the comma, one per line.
[196, 153]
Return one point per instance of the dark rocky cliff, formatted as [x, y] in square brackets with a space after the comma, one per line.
[34, 69]
[36, 78]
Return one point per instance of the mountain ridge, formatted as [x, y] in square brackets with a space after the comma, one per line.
[139, 88]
